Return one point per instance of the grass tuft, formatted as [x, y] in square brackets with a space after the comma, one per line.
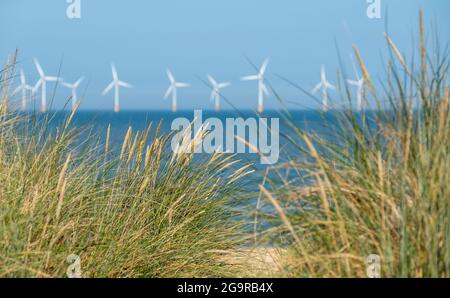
[140, 212]
[379, 185]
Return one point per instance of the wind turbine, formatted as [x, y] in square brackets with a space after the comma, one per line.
[359, 83]
[324, 85]
[116, 83]
[262, 89]
[43, 84]
[24, 87]
[173, 89]
[215, 93]
[73, 87]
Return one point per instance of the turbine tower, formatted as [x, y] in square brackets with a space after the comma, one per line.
[23, 87]
[73, 87]
[173, 89]
[262, 89]
[215, 93]
[324, 85]
[359, 84]
[43, 84]
[116, 84]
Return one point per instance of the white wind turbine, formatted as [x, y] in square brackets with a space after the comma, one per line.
[43, 84]
[73, 87]
[359, 83]
[173, 89]
[324, 85]
[262, 89]
[23, 87]
[215, 93]
[116, 84]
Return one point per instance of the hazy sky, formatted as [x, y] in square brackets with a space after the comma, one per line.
[196, 37]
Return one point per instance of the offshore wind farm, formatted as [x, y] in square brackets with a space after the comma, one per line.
[28, 93]
[197, 47]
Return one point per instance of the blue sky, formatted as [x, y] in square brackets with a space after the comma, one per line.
[196, 37]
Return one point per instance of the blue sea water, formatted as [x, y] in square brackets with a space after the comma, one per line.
[98, 121]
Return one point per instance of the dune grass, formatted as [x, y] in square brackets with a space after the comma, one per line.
[139, 212]
[380, 185]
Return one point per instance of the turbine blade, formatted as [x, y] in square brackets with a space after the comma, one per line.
[114, 72]
[354, 67]
[22, 77]
[182, 85]
[330, 86]
[170, 76]
[38, 84]
[262, 71]
[323, 74]
[250, 78]
[53, 79]
[223, 85]
[77, 83]
[107, 89]
[212, 81]
[318, 86]
[67, 85]
[17, 90]
[39, 68]
[124, 84]
[169, 91]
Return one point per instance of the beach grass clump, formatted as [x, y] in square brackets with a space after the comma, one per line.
[378, 183]
[141, 212]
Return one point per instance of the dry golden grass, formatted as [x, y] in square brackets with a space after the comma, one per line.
[380, 186]
[140, 212]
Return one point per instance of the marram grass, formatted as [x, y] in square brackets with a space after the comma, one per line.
[382, 187]
[140, 212]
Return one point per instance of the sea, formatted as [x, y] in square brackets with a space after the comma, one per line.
[98, 121]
